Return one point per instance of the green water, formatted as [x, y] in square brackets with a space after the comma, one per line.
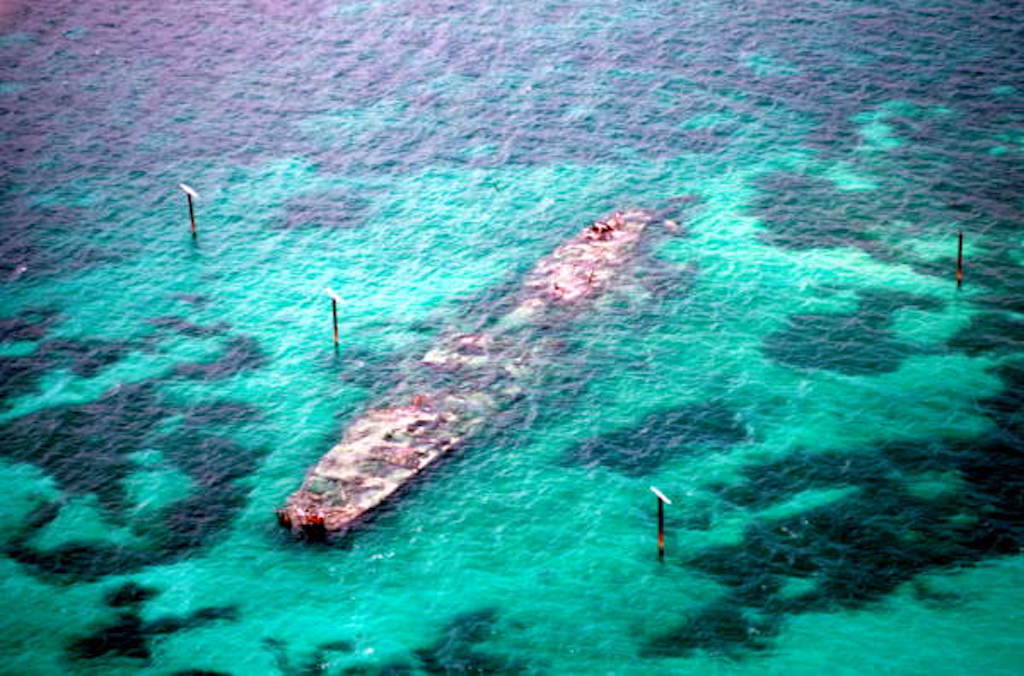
[550, 562]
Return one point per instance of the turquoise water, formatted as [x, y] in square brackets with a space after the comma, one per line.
[838, 426]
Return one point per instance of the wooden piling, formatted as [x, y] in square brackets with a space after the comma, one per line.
[661, 530]
[189, 194]
[662, 501]
[334, 312]
[960, 260]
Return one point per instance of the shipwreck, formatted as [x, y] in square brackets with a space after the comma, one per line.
[394, 440]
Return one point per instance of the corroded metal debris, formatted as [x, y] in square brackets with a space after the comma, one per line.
[390, 443]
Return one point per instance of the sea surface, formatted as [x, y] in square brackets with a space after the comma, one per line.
[838, 426]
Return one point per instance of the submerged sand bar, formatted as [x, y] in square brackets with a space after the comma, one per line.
[390, 443]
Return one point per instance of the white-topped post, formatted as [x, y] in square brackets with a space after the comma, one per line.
[190, 194]
[662, 501]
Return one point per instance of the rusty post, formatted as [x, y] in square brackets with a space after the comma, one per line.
[190, 193]
[662, 501]
[960, 260]
[661, 530]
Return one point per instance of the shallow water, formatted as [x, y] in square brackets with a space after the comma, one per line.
[838, 425]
